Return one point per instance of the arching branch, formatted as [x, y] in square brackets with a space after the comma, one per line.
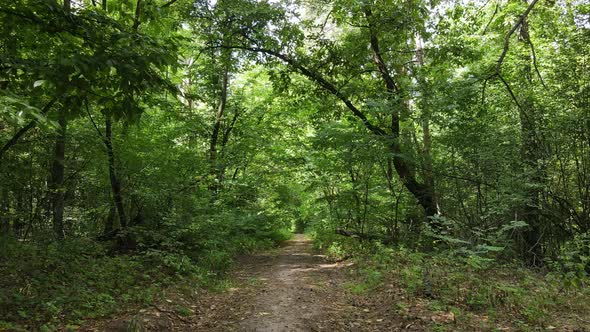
[320, 80]
[509, 35]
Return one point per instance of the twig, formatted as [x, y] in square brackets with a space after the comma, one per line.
[483, 6]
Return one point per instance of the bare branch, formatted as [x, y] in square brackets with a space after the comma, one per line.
[512, 95]
[92, 120]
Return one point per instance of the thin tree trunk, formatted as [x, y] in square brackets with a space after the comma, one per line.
[213, 155]
[425, 117]
[110, 221]
[108, 142]
[57, 177]
[224, 141]
[530, 154]
[115, 184]
[4, 208]
[58, 168]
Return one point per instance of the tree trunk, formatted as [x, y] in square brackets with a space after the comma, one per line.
[425, 119]
[423, 192]
[56, 181]
[58, 168]
[530, 211]
[213, 155]
[4, 209]
[531, 154]
[110, 221]
[115, 184]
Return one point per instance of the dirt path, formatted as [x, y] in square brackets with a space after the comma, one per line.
[291, 297]
[290, 289]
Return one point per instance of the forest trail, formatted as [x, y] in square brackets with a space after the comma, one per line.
[292, 288]
[290, 298]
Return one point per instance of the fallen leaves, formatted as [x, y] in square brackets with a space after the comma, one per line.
[443, 318]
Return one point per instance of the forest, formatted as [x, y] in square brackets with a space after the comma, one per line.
[434, 153]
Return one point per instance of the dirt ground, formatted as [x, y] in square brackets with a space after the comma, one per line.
[290, 289]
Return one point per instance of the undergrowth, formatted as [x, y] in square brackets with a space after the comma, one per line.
[59, 285]
[480, 290]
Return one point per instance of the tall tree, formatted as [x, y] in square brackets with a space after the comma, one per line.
[56, 180]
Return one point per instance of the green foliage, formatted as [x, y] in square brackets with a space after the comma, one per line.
[572, 266]
[232, 122]
[504, 292]
[70, 281]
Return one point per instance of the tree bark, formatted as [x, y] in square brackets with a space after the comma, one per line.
[214, 169]
[423, 192]
[115, 183]
[531, 155]
[56, 183]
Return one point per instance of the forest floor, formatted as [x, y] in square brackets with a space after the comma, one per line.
[295, 288]
[292, 288]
